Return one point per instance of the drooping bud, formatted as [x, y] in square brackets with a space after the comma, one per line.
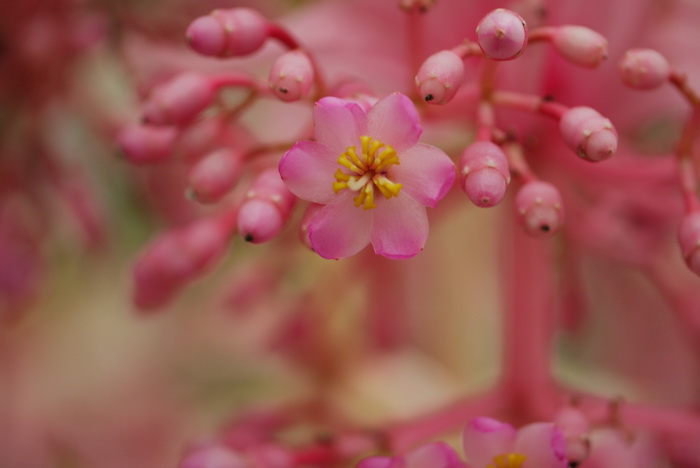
[580, 45]
[228, 33]
[440, 77]
[484, 173]
[311, 210]
[589, 134]
[689, 240]
[502, 34]
[179, 100]
[268, 206]
[644, 69]
[540, 208]
[291, 76]
[214, 175]
[145, 144]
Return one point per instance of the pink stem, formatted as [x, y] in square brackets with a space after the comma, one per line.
[529, 103]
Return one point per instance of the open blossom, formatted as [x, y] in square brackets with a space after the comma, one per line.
[372, 175]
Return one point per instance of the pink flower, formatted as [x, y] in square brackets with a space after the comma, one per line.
[492, 444]
[372, 175]
[433, 454]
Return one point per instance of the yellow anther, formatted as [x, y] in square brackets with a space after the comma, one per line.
[388, 188]
[507, 460]
[344, 160]
[338, 186]
[341, 176]
[354, 158]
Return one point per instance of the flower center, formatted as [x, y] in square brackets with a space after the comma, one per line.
[367, 171]
[507, 460]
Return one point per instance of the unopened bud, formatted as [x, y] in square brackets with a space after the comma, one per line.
[214, 175]
[540, 208]
[484, 173]
[228, 33]
[644, 69]
[689, 240]
[145, 144]
[502, 34]
[179, 100]
[263, 215]
[440, 77]
[589, 134]
[291, 76]
[580, 45]
[200, 138]
[214, 456]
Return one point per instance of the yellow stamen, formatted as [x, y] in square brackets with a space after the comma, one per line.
[507, 460]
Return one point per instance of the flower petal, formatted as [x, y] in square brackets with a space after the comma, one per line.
[381, 462]
[426, 173]
[394, 121]
[307, 170]
[338, 124]
[543, 444]
[399, 227]
[340, 229]
[485, 438]
[434, 455]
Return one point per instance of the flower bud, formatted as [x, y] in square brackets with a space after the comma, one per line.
[214, 175]
[580, 45]
[689, 240]
[502, 34]
[440, 77]
[588, 133]
[179, 100]
[291, 76]
[214, 456]
[269, 204]
[200, 138]
[540, 208]
[575, 426]
[227, 33]
[484, 173]
[145, 144]
[311, 210]
[644, 69]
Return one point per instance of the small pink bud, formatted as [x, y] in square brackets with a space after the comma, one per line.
[291, 76]
[484, 173]
[540, 208]
[200, 138]
[227, 33]
[214, 456]
[269, 204]
[214, 175]
[502, 34]
[689, 240]
[644, 68]
[440, 77]
[589, 134]
[179, 100]
[144, 144]
[580, 45]
[311, 210]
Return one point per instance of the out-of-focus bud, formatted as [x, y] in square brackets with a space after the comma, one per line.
[145, 144]
[540, 208]
[311, 210]
[214, 175]
[689, 240]
[644, 69]
[588, 133]
[576, 427]
[440, 77]
[502, 34]
[179, 100]
[484, 173]
[291, 76]
[214, 456]
[200, 138]
[228, 33]
[262, 216]
[580, 45]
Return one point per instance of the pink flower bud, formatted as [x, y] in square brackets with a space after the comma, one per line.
[689, 240]
[269, 204]
[179, 100]
[484, 173]
[580, 45]
[311, 210]
[440, 77]
[644, 68]
[227, 33]
[144, 144]
[540, 208]
[588, 133]
[502, 34]
[291, 76]
[214, 456]
[214, 175]
[200, 138]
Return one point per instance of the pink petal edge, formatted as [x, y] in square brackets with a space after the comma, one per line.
[426, 172]
[338, 124]
[339, 229]
[399, 227]
[307, 169]
[394, 121]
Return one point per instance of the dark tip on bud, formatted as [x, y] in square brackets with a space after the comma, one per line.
[548, 98]
[573, 464]
[283, 90]
[544, 228]
[429, 97]
[248, 238]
